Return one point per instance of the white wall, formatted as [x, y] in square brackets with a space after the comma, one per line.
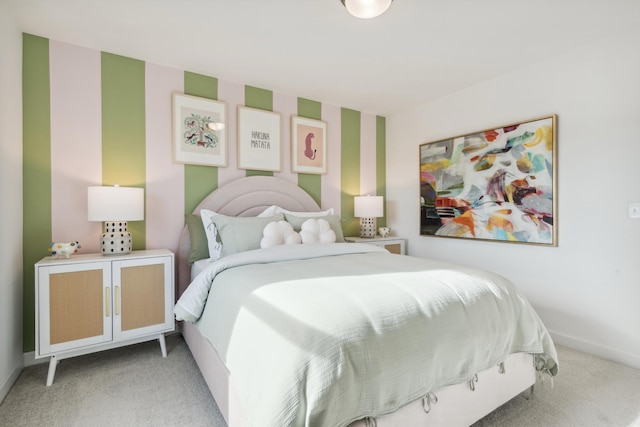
[586, 290]
[11, 358]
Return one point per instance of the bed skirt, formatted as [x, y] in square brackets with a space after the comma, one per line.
[455, 405]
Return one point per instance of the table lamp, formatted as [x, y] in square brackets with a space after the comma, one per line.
[115, 206]
[368, 208]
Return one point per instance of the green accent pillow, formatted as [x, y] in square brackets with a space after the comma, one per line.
[199, 245]
[333, 220]
[239, 234]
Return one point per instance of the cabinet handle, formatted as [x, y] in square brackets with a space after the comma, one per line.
[117, 308]
[107, 298]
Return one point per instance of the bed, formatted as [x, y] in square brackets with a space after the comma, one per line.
[313, 334]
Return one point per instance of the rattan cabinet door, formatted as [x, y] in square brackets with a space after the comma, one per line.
[143, 297]
[74, 306]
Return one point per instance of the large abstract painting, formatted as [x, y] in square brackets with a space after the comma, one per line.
[497, 184]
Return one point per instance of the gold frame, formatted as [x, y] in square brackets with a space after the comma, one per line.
[497, 184]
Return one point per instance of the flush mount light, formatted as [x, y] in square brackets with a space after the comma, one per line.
[366, 9]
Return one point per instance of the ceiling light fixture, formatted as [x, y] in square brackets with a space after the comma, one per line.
[366, 9]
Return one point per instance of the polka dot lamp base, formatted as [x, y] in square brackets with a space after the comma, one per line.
[368, 227]
[116, 239]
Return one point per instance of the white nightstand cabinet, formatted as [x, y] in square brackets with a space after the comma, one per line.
[93, 302]
[395, 245]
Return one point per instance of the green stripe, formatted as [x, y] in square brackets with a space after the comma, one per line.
[262, 99]
[36, 128]
[199, 180]
[254, 97]
[251, 172]
[311, 183]
[381, 164]
[349, 169]
[309, 109]
[123, 129]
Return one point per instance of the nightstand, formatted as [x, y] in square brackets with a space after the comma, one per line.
[395, 245]
[92, 302]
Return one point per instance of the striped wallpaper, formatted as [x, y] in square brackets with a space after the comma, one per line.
[95, 118]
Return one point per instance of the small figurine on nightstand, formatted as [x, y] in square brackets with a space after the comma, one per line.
[63, 249]
[384, 231]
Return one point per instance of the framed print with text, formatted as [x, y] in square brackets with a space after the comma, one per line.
[258, 139]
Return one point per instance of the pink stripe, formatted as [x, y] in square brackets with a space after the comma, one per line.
[331, 186]
[76, 142]
[287, 106]
[233, 95]
[367, 154]
[165, 179]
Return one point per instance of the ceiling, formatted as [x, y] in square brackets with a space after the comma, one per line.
[417, 51]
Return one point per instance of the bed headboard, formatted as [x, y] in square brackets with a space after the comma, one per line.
[243, 197]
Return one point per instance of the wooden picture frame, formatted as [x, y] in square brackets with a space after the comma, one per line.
[259, 145]
[199, 130]
[497, 184]
[308, 145]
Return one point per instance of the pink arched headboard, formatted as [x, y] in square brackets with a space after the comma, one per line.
[243, 197]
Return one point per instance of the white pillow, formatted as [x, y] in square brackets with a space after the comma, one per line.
[214, 243]
[317, 230]
[272, 210]
[279, 233]
[241, 233]
[333, 220]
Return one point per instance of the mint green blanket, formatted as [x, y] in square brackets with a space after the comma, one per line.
[323, 335]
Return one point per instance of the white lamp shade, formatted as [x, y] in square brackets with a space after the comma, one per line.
[115, 203]
[368, 206]
[366, 9]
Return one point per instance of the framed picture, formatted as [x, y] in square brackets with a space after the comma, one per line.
[199, 135]
[258, 139]
[309, 145]
[497, 184]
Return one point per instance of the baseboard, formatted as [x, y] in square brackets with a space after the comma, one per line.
[174, 332]
[11, 379]
[30, 359]
[619, 356]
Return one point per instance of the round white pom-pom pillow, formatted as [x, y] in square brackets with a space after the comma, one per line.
[279, 233]
[317, 230]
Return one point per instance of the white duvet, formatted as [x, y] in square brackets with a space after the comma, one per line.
[322, 335]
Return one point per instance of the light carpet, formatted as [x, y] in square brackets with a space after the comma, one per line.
[128, 386]
[135, 386]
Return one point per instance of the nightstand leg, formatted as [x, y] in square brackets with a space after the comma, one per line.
[163, 345]
[53, 363]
